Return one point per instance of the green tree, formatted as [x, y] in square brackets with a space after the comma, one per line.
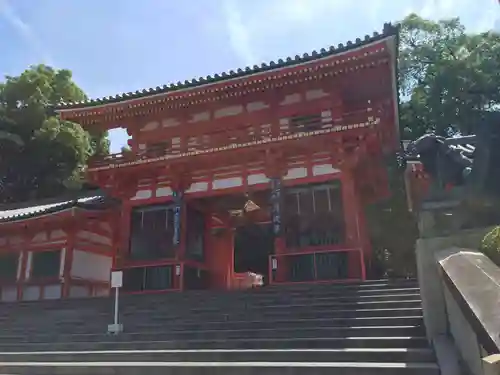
[393, 231]
[40, 155]
[491, 245]
[447, 76]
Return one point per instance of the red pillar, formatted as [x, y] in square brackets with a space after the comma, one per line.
[179, 184]
[352, 224]
[220, 256]
[24, 263]
[275, 171]
[22, 274]
[123, 236]
[183, 234]
[68, 261]
[281, 260]
[115, 222]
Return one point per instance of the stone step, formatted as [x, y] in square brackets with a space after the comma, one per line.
[366, 283]
[401, 301]
[204, 295]
[98, 325]
[106, 342]
[312, 306]
[139, 325]
[258, 355]
[225, 334]
[263, 297]
[394, 296]
[252, 313]
[282, 308]
[221, 368]
[279, 323]
[311, 313]
[137, 308]
[276, 301]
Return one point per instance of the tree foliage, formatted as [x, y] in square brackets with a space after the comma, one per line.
[446, 78]
[40, 155]
[393, 231]
[491, 245]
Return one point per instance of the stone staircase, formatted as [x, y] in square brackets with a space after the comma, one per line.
[374, 327]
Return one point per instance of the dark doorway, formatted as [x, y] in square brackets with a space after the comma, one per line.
[46, 264]
[253, 244]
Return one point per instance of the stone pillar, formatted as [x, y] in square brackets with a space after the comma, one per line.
[491, 365]
[430, 243]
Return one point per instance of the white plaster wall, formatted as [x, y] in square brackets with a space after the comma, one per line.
[258, 178]
[9, 294]
[197, 186]
[78, 291]
[322, 169]
[40, 237]
[142, 194]
[163, 192]
[91, 266]
[101, 292]
[105, 226]
[52, 291]
[31, 293]
[93, 237]
[58, 233]
[293, 173]
[226, 183]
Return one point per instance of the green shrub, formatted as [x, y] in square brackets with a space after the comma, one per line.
[491, 245]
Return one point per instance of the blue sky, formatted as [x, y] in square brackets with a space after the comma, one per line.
[114, 46]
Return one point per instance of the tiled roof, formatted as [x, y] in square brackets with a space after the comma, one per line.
[388, 30]
[15, 214]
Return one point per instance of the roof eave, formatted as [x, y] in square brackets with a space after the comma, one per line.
[388, 32]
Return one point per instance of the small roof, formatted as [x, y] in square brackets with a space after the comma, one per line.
[11, 213]
[388, 31]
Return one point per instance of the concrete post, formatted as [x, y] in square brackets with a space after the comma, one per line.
[431, 289]
[491, 365]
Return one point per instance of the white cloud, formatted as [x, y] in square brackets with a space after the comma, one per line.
[239, 35]
[301, 12]
[8, 12]
[263, 29]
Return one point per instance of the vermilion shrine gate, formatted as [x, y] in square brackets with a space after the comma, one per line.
[264, 169]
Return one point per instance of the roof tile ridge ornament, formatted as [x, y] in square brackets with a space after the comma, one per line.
[388, 30]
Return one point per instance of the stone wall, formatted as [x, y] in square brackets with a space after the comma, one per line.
[458, 286]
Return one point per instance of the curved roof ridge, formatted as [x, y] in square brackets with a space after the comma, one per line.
[388, 30]
[27, 210]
